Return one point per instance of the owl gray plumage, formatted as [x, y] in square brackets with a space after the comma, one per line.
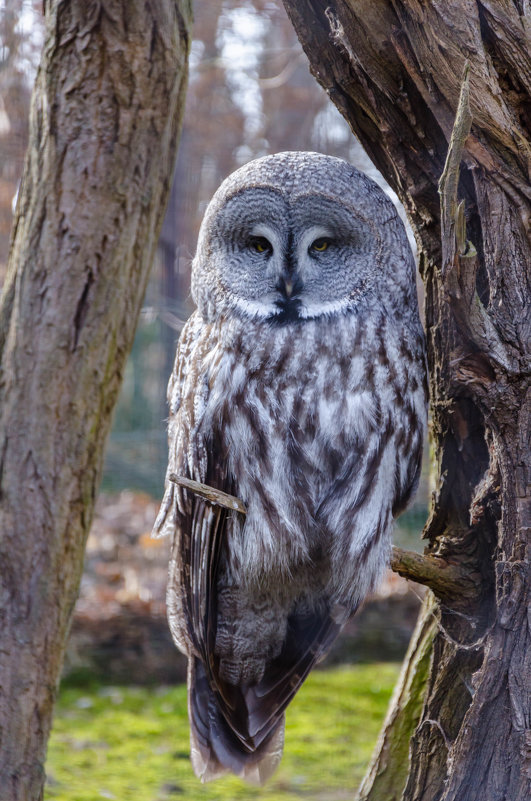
[299, 386]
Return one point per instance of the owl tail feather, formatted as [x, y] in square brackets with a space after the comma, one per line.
[215, 749]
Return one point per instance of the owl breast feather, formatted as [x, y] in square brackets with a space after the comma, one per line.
[308, 420]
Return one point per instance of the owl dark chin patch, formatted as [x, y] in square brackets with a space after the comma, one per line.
[289, 312]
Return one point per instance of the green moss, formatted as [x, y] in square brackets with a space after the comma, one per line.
[131, 744]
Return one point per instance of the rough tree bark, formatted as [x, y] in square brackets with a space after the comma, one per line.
[395, 68]
[103, 136]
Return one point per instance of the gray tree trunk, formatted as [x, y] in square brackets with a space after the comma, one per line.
[459, 728]
[103, 136]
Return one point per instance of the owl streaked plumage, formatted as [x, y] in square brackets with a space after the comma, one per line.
[299, 387]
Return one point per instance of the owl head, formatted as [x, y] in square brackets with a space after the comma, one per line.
[297, 236]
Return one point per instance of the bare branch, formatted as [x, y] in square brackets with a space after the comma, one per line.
[448, 580]
[213, 496]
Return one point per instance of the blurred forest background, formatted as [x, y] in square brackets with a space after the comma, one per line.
[250, 93]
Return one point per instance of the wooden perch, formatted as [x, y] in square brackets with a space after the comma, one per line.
[444, 578]
[447, 580]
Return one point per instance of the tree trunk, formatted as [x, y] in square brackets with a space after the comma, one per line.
[103, 135]
[395, 69]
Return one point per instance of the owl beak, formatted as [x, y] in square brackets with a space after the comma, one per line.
[288, 303]
[288, 286]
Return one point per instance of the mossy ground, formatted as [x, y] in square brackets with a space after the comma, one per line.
[131, 744]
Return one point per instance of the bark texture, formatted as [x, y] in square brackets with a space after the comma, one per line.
[395, 69]
[103, 135]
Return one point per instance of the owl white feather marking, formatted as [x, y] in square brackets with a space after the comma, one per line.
[309, 311]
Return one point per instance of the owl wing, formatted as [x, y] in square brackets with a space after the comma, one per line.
[194, 526]
[250, 714]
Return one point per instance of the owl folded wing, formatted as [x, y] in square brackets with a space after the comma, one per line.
[250, 712]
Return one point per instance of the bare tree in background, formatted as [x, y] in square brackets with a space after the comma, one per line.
[395, 70]
[103, 135]
[15, 93]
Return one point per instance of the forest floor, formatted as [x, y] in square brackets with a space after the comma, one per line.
[132, 743]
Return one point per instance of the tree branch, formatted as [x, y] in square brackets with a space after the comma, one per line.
[460, 260]
[448, 580]
[214, 496]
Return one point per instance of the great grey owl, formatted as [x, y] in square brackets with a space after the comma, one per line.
[299, 387]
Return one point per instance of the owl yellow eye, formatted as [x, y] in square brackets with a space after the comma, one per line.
[320, 245]
[260, 244]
